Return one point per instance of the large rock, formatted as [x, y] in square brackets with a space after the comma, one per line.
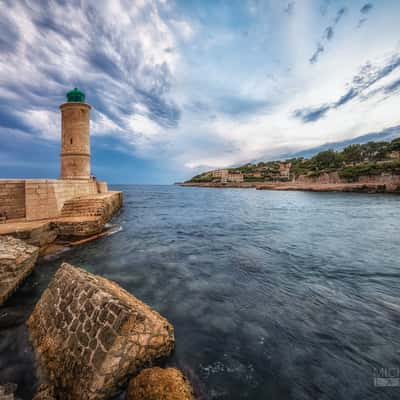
[159, 384]
[90, 335]
[36, 233]
[17, 260]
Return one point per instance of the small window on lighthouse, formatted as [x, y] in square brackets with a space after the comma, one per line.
[71, 141]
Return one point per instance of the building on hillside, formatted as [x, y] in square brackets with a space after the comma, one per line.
[235, 177]
[225, 176]
[254, 176]
[284, 169]
[394, 154]
[220, 173]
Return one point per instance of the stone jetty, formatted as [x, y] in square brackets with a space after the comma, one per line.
[40, 211]
[17, 260]
[90, 335]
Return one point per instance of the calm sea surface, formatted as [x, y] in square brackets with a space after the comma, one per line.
[273, 295]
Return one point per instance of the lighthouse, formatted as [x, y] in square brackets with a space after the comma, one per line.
[75, 136]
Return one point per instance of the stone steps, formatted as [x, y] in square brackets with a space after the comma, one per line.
[83, 206]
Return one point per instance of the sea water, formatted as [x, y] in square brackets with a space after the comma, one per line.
[273, 295]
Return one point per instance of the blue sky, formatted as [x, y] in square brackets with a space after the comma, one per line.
[181, 86]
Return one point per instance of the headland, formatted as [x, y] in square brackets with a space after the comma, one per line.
[373, 167]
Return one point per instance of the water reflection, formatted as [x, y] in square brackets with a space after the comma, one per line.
[281, 295]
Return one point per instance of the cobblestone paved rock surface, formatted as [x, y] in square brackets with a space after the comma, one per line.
[90, 335]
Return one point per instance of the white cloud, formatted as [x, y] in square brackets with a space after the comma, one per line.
[102, 125]
[191, 91]
[47, 123]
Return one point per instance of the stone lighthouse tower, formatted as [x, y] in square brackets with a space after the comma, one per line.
[75, 137]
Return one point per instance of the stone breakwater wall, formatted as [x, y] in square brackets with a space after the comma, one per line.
[36, 199]
[80, 217]
[17, 260]
[87, 215]
[12, 198]
[100, 205]
[45, 198]
[90, 335]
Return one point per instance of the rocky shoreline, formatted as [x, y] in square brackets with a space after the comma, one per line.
[91, 338]
[17, 260]
[382, 184]
[228, 185]
[330, 187]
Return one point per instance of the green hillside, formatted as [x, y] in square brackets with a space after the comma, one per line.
[372, 158]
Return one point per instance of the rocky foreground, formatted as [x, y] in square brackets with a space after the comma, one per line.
[17, 260]
[160, 384]
[21, 242]
[91, 337]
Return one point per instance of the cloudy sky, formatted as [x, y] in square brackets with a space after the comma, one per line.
[179, 86]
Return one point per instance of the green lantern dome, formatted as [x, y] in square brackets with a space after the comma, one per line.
[75, 96]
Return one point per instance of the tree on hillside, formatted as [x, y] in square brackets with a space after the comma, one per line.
[374, 151]
[352, 153]
[326, 160]
[395, 145]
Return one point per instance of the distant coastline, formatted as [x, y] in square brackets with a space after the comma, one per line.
[373, 167]
[367, 187]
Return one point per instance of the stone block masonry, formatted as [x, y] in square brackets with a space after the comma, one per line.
[80, 217]
[86, 215]
[45, 198]
[90, 335]
[17, 260]
[37, 199]
[75, 140]
[12, 199]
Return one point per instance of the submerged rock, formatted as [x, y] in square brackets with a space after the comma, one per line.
[89, 335]
[160, 384]
[17, 260]
[7, 391]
